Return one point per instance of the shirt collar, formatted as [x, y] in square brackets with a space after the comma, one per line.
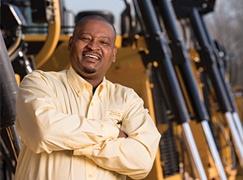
[79, 84]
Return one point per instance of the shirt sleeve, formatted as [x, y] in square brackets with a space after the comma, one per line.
[132, 156]
[43, 128]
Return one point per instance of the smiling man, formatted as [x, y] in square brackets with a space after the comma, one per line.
[75, 124]
[92, 49]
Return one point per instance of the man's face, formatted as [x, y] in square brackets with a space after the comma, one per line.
[92, 49]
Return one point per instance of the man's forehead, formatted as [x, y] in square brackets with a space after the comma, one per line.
[93, 19]
[83, 24]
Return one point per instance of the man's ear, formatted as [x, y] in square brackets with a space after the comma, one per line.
[114, 55]
[70, 42]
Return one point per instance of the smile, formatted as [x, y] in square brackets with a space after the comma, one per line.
[94, 56]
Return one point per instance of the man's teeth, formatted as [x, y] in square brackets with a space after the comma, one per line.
[91, 56]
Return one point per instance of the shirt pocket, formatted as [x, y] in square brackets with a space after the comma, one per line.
[114, 116]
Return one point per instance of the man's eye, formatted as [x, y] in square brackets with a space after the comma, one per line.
[105, 42]
[86, 39]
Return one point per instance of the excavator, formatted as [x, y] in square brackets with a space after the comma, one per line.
[185, 86]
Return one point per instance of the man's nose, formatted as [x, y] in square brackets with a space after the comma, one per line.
[94, 45]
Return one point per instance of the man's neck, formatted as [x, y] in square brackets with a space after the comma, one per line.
[94, 82]
[93, 90]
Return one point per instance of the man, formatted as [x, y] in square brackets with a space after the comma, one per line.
[77, 125]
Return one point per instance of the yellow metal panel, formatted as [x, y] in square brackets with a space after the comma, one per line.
[54, 29]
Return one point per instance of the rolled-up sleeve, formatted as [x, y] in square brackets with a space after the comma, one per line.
[43, 128]
[132, 156]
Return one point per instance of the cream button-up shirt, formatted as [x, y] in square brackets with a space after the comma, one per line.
[69, 133]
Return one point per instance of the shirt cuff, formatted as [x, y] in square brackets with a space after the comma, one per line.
[109, 130]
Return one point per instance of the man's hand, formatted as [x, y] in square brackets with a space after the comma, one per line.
[122, 134]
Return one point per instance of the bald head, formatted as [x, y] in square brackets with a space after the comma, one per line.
[88, 18]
